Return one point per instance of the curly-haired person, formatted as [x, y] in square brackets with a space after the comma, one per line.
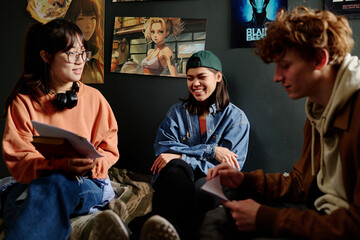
[311, 52]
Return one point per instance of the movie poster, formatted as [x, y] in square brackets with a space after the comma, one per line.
[89, 16]
[248, 18]
[156, 45]
[348, 8]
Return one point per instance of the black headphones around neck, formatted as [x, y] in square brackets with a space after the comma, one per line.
[68, 99]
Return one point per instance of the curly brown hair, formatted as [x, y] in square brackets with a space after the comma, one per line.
[306, 30]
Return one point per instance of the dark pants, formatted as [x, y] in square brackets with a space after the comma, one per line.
[178, 198]
[219, 225]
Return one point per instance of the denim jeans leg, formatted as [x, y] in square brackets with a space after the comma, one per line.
[50, 202]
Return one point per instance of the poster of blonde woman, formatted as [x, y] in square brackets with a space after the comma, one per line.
[138, 0]
[155, 45]
[89, 16]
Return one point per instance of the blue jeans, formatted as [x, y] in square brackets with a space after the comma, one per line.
[48, 206]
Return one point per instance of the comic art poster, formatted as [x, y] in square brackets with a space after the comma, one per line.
[348, 8]
[156, 45]
[131, 0]
[89, 16]
[138, 0]
[248, 18]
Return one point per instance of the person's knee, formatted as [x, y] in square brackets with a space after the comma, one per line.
[179, 165]
[176, 172]
[53, 182]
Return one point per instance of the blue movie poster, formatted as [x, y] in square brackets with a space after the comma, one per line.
[248, 18]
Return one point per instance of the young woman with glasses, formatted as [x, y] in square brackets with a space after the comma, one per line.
[45, 192]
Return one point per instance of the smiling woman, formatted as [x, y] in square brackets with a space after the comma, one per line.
[56, 187]
[196, 135]
[88, 15]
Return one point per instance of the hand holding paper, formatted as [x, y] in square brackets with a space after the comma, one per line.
[214, 188]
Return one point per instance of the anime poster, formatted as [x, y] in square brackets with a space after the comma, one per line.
[348, 8]
[155, 45]
[138, 0]
[89, 16]
[131, 0]
[248, 18]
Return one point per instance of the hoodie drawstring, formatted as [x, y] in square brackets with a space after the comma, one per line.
[312, 148]
[323, 119]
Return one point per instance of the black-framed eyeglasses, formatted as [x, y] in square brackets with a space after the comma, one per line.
[73, 57]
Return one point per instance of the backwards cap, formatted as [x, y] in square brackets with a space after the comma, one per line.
[204, 59]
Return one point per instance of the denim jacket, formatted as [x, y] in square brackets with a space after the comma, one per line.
[179, 133]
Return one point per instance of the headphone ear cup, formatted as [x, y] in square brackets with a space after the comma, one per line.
[71, 99]
[68, 99]
[60, 101]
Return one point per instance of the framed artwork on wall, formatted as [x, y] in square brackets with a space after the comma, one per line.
[155, 45]
[248, 18]
[138, 0]
[131, 0]
[348, 8]
[89, 16]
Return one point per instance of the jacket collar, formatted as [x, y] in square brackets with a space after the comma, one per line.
[212, 109]
[342, 120]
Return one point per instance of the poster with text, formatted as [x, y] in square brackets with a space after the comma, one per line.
[248, 18]
[89, 16]
[155, 45]
[348, 8]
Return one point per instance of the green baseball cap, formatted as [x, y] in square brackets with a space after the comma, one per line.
[204, 59]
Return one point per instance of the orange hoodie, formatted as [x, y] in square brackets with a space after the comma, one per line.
[92, 118]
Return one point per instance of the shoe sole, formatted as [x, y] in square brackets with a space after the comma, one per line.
[158, 228]
[109, 226]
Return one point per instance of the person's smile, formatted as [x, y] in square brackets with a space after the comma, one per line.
[198, 91]
[78, 70]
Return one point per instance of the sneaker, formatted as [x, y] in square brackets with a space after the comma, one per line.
[158, 228]
[108, 225]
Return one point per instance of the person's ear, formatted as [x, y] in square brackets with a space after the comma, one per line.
[322, 58]
[45, 56]
[219, 76]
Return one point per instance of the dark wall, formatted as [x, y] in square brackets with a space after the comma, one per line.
[140, 102]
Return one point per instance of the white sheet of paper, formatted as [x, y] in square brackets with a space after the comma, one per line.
[214, 188]
[81, 144]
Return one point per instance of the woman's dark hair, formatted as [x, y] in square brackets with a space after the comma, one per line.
[220, 97]
[55, 36]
